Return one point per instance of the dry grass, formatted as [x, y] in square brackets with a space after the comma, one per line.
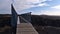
[5, 28]
[47, 29]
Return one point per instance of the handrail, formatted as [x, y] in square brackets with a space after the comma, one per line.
[24, 19]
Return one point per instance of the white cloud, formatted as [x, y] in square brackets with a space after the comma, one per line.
[53, 13]
[56, 7]
[49, 0]
[24, 4]
[5, 6]
[43, 4]
[56, 13]
[32, 1]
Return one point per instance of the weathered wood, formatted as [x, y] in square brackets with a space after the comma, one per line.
[26, 28]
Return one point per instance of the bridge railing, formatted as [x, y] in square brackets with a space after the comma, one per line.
[25, 18]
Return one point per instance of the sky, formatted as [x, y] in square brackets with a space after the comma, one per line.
[38, 7]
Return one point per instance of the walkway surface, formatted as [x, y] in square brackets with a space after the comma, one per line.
[26, 28]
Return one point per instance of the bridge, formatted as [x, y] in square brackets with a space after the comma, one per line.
[26, 28]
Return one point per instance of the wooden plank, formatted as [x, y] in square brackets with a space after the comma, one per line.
[26, 28]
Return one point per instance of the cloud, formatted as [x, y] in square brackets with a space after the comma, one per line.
[56, 13]
[56, 7]
[49, 0]
[43, 4]
[5, 6]
[45, 12]
[25, 4]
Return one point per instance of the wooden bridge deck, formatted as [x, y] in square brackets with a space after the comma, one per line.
[26, 28]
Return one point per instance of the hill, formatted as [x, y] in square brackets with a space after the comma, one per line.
[45, 20]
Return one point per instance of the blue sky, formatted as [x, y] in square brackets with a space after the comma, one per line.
[48, 7]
